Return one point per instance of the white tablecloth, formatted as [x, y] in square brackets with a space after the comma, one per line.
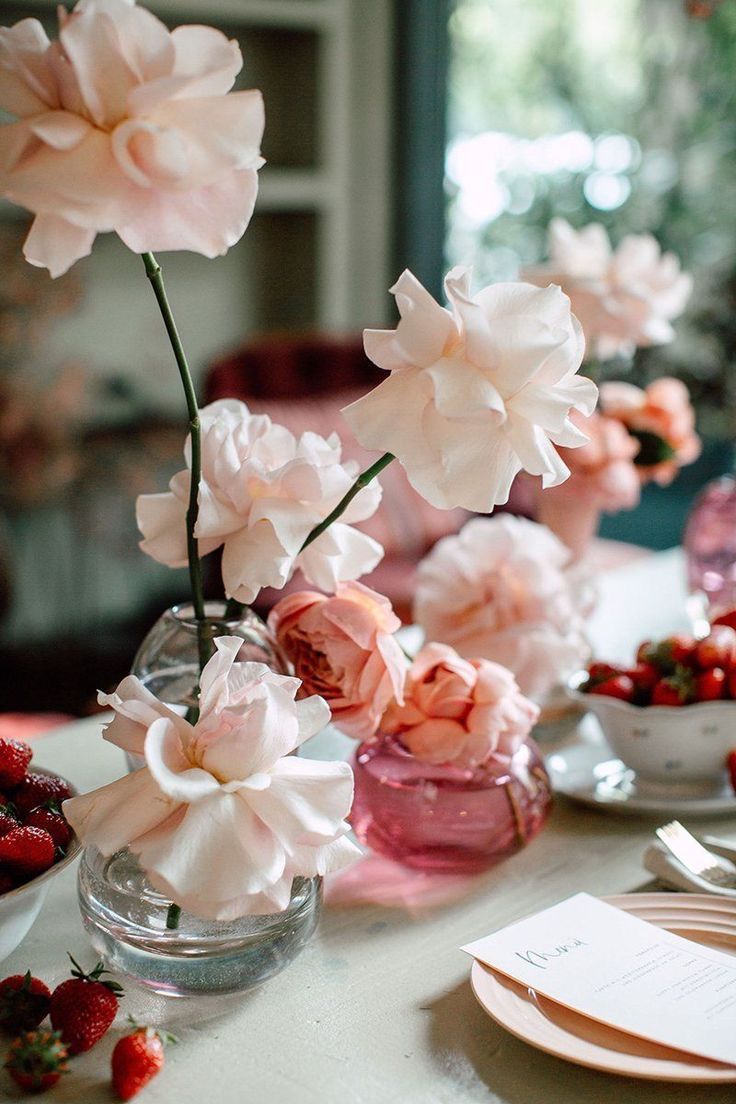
[378, 1009]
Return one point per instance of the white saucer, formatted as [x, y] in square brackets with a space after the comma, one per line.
[589, 774]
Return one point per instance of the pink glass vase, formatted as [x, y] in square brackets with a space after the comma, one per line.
[710, 545]
[445, 818]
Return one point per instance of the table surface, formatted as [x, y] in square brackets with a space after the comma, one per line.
[378, 1008]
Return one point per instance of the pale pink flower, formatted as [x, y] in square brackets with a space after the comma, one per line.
[222, 817]
[475, 393]
[124, 125]
[623, 298]
[262, 491]
[343, 648]
[661, 417]
[459, 711]
[499, 589]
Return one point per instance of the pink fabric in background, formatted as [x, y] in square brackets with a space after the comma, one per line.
[24, 726]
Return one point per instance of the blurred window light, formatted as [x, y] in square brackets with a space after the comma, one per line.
[616, 153]
[606, 191]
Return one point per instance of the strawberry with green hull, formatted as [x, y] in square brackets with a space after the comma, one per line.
[83, 1007]
[24, 1002]
[36, 1060]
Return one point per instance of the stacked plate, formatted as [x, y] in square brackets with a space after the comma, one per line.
[567, 1034]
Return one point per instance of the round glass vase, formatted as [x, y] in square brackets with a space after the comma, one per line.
[126, 918]
[445, 818]
[710, 547]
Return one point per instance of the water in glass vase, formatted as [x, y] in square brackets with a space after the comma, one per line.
[126, 920]
[445, 818]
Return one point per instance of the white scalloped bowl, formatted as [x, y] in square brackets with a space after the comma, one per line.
[20, 907]
[664, 743]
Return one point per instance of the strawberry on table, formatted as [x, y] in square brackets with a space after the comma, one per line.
[618, 686]
[14, 759]
[52, 822]
[711, 685]
[36, 1060]
[83, 1007]
[27, 851]
[38, 789]
[136, 1059]
[24, 1001]
[718, 649]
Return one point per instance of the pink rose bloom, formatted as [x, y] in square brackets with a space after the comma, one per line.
[262, 491]
[662, 410]
[222, 817]
[499, 589]
[623, 298]
[459, 711]
[603, 472]
[475, 393]
[124, 125]
[343, 649]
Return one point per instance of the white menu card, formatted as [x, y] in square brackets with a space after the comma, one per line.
[624, 972]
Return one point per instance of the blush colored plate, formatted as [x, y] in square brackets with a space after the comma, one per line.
[567, 1034]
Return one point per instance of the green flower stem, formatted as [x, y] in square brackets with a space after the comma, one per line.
[155, 275]
[172, 917]
[362, 481]
[235, 609]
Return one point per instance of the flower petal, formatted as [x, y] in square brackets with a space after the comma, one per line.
[113, 816]
[56, 244]
[170, 768]
[306, 802]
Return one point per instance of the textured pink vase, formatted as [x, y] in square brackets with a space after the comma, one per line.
[445, 818]
[710, 545]
[570, 515]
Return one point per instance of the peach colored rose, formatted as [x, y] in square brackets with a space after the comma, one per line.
[262, 491]
[459, 711]
[477, 393]
[623, 298]
[500, 589]
[343, 649]
[603, 471]
[661, 418]
[221, 816]
[124, 125]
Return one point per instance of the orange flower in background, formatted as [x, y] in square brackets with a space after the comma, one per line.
[343, 648]
[459, 711]
[662, 419]
[124, 125]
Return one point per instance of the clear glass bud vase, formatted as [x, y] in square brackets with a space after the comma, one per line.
[128, 921]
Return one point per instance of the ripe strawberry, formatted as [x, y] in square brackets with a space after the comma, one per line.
[38, 789]
[83, 1007]
[673, 651]
[644, 677]
[599, 672]
[24, 1001]
[731, 767]
[7, 821]
[14, 760]
[27, 851]
[52, 822]
[36, 1060]
[136, 1059]
[618, 686]
[710, 685]
[667, 692]
[718, 649]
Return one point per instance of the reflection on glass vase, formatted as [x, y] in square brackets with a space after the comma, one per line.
[443, 817]
[168, 660]
[128, 921]
[710, 546]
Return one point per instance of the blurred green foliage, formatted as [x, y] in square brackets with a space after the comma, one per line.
[617, 111]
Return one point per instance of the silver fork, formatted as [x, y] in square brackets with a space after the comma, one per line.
[704, 864]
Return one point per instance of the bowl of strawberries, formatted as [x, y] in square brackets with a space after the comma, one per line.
[35, 840]
[671, 716]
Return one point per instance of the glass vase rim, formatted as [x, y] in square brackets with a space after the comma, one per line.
[215, 614]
